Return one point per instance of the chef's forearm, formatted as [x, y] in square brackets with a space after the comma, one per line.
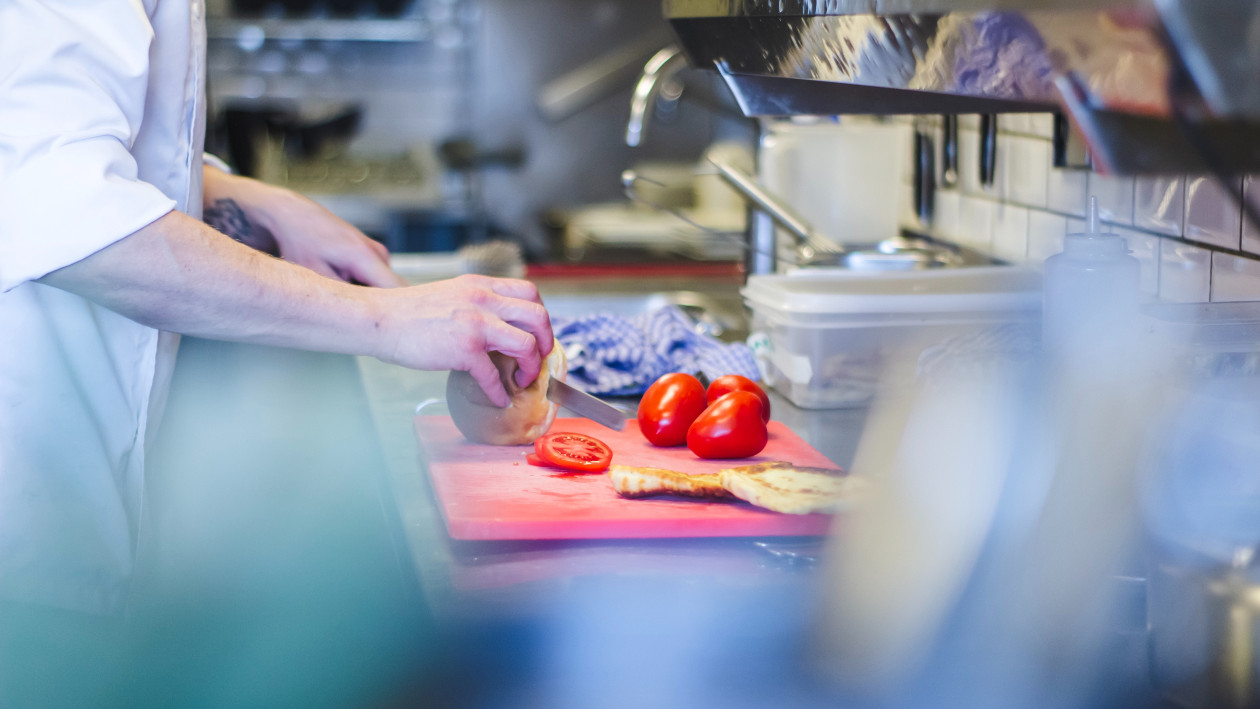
[178, 274]
[228, 204]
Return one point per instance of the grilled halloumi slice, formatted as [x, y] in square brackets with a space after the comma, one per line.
[793, 489]
[629, 481]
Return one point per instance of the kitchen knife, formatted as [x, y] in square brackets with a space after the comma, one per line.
[585, 405]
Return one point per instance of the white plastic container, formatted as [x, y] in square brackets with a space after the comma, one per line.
[822, 338]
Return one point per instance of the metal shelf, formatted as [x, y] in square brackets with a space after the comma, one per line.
[367, 30]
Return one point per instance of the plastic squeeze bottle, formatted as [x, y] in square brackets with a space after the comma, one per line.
[1090, 292]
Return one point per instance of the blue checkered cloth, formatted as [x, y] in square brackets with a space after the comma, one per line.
[611, 355]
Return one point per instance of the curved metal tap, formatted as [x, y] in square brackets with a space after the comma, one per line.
[656, 73]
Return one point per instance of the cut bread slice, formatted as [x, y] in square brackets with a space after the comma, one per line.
[629, 481]
[792, 489]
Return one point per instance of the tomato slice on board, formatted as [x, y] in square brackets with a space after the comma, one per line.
[573, 451]
[533, 459]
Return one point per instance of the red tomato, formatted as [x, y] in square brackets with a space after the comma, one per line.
[668, 407]
[533, 459]
[730, 428]
[573, 451]
[734, 382]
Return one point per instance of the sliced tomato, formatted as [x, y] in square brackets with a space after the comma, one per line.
[533, 459]
[574, 451]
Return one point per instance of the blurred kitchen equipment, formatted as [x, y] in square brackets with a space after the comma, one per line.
[1106, 62]
[657, 81]
[924, 174]
[814, 249]
[489, 258]
[822, 336]
[1202, 508]
[949, 150]
[988, 149]
[578, 88]
[839, 175]
[809, 243]
[303, 131]
[464, 154]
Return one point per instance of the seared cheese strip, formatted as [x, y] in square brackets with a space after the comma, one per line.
[644, 482]
[791, 489]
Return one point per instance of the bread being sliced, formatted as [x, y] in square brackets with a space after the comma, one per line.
[629, 481]
[792, 489]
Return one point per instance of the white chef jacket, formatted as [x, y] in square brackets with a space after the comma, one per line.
[101, 132]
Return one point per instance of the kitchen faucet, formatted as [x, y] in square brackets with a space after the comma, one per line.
[657, 79]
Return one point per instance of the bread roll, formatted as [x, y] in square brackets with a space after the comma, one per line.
[527, 417]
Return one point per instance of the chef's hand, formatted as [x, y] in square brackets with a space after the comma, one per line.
[456, 323]
[283, 222]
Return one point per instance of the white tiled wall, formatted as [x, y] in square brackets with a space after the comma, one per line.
[1188, 233]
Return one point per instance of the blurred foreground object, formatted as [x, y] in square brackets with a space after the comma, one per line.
[986, 570]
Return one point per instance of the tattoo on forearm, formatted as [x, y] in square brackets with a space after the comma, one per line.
[227, 216]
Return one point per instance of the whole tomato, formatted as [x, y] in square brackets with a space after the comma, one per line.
[668, 407]
[724, 385]
[730, 428]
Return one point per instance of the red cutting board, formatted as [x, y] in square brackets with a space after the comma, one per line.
[490, 492]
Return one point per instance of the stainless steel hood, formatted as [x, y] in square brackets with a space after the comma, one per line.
[1166, 88]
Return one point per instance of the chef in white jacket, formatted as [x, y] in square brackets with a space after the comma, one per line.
[103, 255]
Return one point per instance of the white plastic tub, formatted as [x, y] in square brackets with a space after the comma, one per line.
[823, 337]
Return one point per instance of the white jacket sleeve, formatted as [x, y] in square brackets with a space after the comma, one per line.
[73, 81]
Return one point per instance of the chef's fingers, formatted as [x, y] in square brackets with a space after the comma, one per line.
[525, 315]
[532, 319]
[487, 377]
[513, 288]
[518, 344]
[380, 249]
[536, 320]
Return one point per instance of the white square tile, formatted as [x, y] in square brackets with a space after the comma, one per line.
[1234, 278]
[1115, 198]
[1159, 203]
[945, 220]
[1145, 248]
[975, 223]
[1027, 164]
[1185, 272]
[1041, 125]
[1212, 215]
[1014, 123]
[1045, 235]
[1066, 191]
[1010, 233]
[1251, 232]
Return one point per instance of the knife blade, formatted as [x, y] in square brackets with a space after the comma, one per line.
[585, 405]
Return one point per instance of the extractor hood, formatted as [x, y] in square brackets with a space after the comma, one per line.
[1167, 87]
